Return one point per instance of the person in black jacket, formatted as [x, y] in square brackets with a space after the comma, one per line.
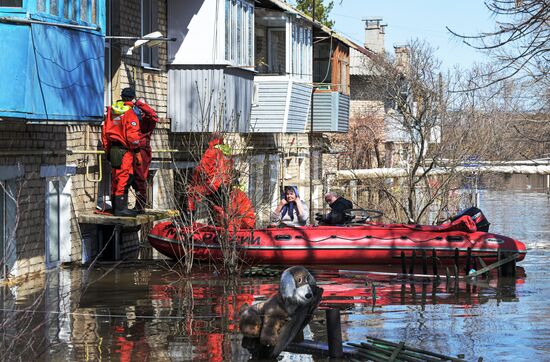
[338, 205]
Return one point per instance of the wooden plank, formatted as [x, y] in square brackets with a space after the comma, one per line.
[412, 349]
[396, 352]
[400, 275]
[494, 265]
[147, 217]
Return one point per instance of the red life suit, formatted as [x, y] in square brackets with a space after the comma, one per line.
[121, 129]
[213, 171]
[240, 212]
[147, 124]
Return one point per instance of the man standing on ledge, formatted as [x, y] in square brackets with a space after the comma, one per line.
[147, 122]
[121, 138]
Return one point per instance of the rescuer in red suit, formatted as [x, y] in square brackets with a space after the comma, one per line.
[213, 171]
[216, 181]
[147, 121]
[239, 214]
[121, 138]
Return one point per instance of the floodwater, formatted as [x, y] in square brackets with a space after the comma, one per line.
[143, 310]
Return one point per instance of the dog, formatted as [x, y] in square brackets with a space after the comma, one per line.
[298, 288]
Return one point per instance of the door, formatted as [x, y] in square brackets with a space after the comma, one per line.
[58, 221]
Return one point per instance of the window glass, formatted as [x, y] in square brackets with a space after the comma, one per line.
[94, 11]
[227, 29]
[74, 10]
[239, 17]
[83, 10]
[239, 32]
[67, 9]
[40, 5]
[250, 16]
[149, 24]
[54, 10]
[11, 3]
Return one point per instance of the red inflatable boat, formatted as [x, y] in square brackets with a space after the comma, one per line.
[369, 243]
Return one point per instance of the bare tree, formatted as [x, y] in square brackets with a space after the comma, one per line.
[427, 128]
[520, 41]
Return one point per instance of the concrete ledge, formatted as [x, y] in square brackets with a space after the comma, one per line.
[149, 216]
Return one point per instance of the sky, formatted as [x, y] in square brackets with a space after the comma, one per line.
[422, 19]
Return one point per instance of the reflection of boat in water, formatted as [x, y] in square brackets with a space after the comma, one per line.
[370, 243]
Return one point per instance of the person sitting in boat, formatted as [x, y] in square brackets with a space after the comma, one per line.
[338, 206]
[291, 211]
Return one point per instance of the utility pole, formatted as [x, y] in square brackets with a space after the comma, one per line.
[311, 151]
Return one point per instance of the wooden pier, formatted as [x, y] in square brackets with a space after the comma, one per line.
[109, 230]
[150, 215]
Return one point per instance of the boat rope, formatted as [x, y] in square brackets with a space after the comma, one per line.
[381, 238]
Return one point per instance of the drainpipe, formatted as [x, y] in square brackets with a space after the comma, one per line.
[311, 150]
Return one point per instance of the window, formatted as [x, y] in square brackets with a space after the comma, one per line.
[58, 211]
[239, 20]
[301, 51]
[54, 222]
[80, 11]
[149, 24]
[276, 51]
[11, 3]
[262, 182]
[8, 224]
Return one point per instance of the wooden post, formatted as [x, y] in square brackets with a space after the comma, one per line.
[403, 263]
[456, 278]
[447, 279]
[468, 257]
[456, 257]
[434, 263]
[424, 263]
[499, 257]
[334, 333]
[411, 268]
[373, 295]
[509, 268]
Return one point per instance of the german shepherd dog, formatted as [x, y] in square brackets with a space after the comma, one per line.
[265, 320]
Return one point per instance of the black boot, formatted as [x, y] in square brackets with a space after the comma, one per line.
[121, 206]
[141, 201]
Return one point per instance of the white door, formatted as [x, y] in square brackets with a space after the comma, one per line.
[58, 220]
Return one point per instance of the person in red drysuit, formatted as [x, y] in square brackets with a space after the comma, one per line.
[240, 212]
[121, 138]
[213, 171]
[216, 180]
[147, 122]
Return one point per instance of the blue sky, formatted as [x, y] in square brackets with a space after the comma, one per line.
[423, 19]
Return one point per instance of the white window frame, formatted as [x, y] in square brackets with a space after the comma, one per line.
[239, 43]
[8, 223]
[300, 50]
[149, 8]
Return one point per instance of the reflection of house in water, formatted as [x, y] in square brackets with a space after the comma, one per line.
[158, 316]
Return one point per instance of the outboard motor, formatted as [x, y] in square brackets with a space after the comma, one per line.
[477, 215]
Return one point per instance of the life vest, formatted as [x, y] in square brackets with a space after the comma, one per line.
[121, 126]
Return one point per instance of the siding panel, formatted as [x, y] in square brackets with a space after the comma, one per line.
[209, 98]
[299, 107]
[269, 113]
[343, 113]
[330, 112]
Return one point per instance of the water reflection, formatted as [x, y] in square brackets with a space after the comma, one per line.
[152, 313]
[143, 311]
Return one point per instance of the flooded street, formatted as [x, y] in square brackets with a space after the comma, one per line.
[146, 311]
